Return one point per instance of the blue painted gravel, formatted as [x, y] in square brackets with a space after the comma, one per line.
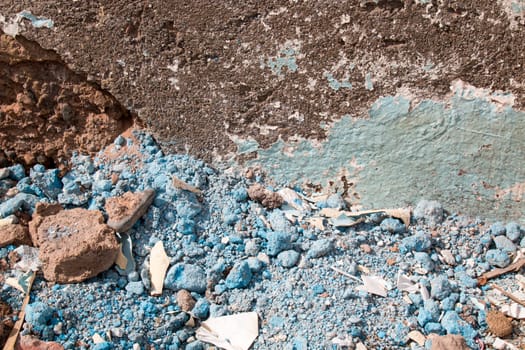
[234, 255]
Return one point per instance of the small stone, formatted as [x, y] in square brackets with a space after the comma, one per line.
[321, 248]
[15, 234]
[449, 342]
[125, 210]
[430, 211]
[393, 226]
[239, 276]
[185, 300]
[136, 288]
[288, 258]
[39, 315]
[366, 248]
[499, 324]
[513, 231]
[497, 229]
[201, 309]
[505, 244]
[335, 201]
[420, 242]
[267, 198]
[497, 257]
[186, 276]
[277, 242]
[440, 288]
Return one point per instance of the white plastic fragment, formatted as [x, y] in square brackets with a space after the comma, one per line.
[405, 284]
[360, 346]
[293, 199]
[11, 219]
[425, 295]
[478, 304]
[514, 310]
[97, 339]
[159, 262]
[22, 282]
[316, 222]
[233, 332]
[29, 260]
[500, 344]
[125, 261]
[374, 285]
[12, 26]
[447, 257]
[418, 337]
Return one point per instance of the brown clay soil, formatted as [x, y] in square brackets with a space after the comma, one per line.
[198, 72]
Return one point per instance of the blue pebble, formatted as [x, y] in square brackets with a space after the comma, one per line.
[196, 345]
[497, 229]
[22, 201]
[440, 287]
[17, 172]
[451, 322]
[299, 343]
[432, 306]
[400, 334]
[465, 280]
[416, 298]
[255, 264]
[425, 260]
[433, 327]
[277, 242]
[288, 258]
[39, 315]
[419, 242]
[136, 288]
[513, 231]
[320, 248]
[393, 226]
[186, 276]
[201, 309]
[449, 302]
[424, 317]
[240, 194]
[103, 346]
[120, 141]
[505, 244]
[318, 289]
[497, 257]
[239, 276]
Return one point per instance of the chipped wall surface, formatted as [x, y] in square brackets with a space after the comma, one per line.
[467, 151]
[210, 75]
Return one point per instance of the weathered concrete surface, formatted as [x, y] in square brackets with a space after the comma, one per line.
[366, 81]
[466, 151]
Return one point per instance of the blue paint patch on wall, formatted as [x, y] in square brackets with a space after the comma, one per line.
[336, 84]
[467, 153]
[285, 59]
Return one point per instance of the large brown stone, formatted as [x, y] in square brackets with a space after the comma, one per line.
[124, 211]
[41, 211]
[449, 342]
[75, 245]
[27, 342]
[14, 234]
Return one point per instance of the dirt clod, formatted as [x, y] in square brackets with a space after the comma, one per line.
[499, 324]
[449, 342]
[267, 198]
[185, 300]
[14, 234]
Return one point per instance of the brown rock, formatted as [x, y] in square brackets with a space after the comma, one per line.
[14, 234]
[267, 198]
[124, 211]
[27, 342]
[499, 324]
[42, 210]
[185, 300]
[75, 245]
[449, 342]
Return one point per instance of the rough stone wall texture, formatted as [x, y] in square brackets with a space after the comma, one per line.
[212, 77]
